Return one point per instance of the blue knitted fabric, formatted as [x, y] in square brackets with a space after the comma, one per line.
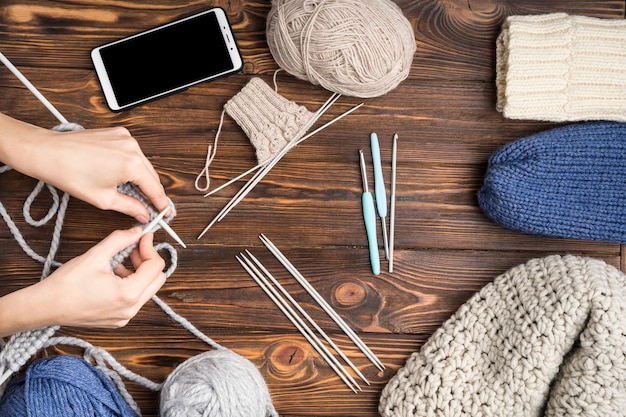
[565, 182]
[63, 386]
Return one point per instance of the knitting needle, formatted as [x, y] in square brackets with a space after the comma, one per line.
[172, 233]
[151, 226]
[379, 189]
[392, 209]
[260, 174]
[369, 217]
[293, 317]
[308, 318]
[321, 301]
[159, 220]
[32, 88]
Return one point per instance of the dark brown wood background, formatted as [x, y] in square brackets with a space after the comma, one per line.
[309, 205]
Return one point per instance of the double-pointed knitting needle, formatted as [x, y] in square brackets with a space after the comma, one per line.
[322, 302]
[392, 209]
[258, 176]
[153, 223]
[159, 220]
[288, 311]
[308, 318]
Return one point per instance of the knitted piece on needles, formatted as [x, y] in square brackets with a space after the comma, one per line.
[557, 67]
[547, 338]
[269, 120]
[565, 182]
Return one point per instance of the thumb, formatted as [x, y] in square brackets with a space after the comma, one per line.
[119, 240]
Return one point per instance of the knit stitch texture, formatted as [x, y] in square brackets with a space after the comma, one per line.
[557, 67]
[547, 338]
[565, 182]
[269, 120]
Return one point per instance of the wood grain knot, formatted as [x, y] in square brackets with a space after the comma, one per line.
[287, 356]
[350, 294]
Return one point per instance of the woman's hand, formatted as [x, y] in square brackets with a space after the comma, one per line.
[87, 164]
[85, 291]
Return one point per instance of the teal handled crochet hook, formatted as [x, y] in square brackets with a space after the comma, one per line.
[379, 189]
[369, 216]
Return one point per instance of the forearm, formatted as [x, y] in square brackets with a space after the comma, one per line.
[22, 144]
[23, 310]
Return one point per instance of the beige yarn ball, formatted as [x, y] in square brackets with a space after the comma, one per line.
[360, 48]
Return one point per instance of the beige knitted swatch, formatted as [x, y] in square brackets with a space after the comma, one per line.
[546, 338]
[557, 67]
[268, 119]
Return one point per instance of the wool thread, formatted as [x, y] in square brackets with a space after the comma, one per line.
[546, 338]
[557, 67]
[351, 47]
[564, 182]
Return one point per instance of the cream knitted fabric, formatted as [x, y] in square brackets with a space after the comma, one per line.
[268, 119]
[546, 338]
[558, 67]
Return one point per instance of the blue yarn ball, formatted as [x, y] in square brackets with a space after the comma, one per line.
[63, 386]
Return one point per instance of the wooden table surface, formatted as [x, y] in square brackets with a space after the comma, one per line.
[309, 204]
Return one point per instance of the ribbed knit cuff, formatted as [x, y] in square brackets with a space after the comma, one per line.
[268, 119]
[558, 67]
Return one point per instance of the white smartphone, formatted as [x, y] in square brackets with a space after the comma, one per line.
[166, 59]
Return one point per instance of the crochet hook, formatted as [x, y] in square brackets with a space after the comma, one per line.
[392, 209]
[379, 189]
[369, 216]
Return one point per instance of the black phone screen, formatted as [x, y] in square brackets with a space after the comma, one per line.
[166, 59]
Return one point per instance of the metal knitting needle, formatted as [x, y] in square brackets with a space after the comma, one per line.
[308, 318]
[379, 189]
[151, 226]
[172, 233]
[392, 209]
[261, 173]
[321, 302]
[32, 88]
[159, 220]
[293, 317]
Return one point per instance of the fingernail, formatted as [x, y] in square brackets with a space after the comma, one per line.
[142, 219]
[136, 230]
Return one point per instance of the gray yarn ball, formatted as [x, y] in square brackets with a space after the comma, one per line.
[217, 383]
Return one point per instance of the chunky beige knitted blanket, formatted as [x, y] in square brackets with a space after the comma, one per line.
[557, 67]
[546, 338]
